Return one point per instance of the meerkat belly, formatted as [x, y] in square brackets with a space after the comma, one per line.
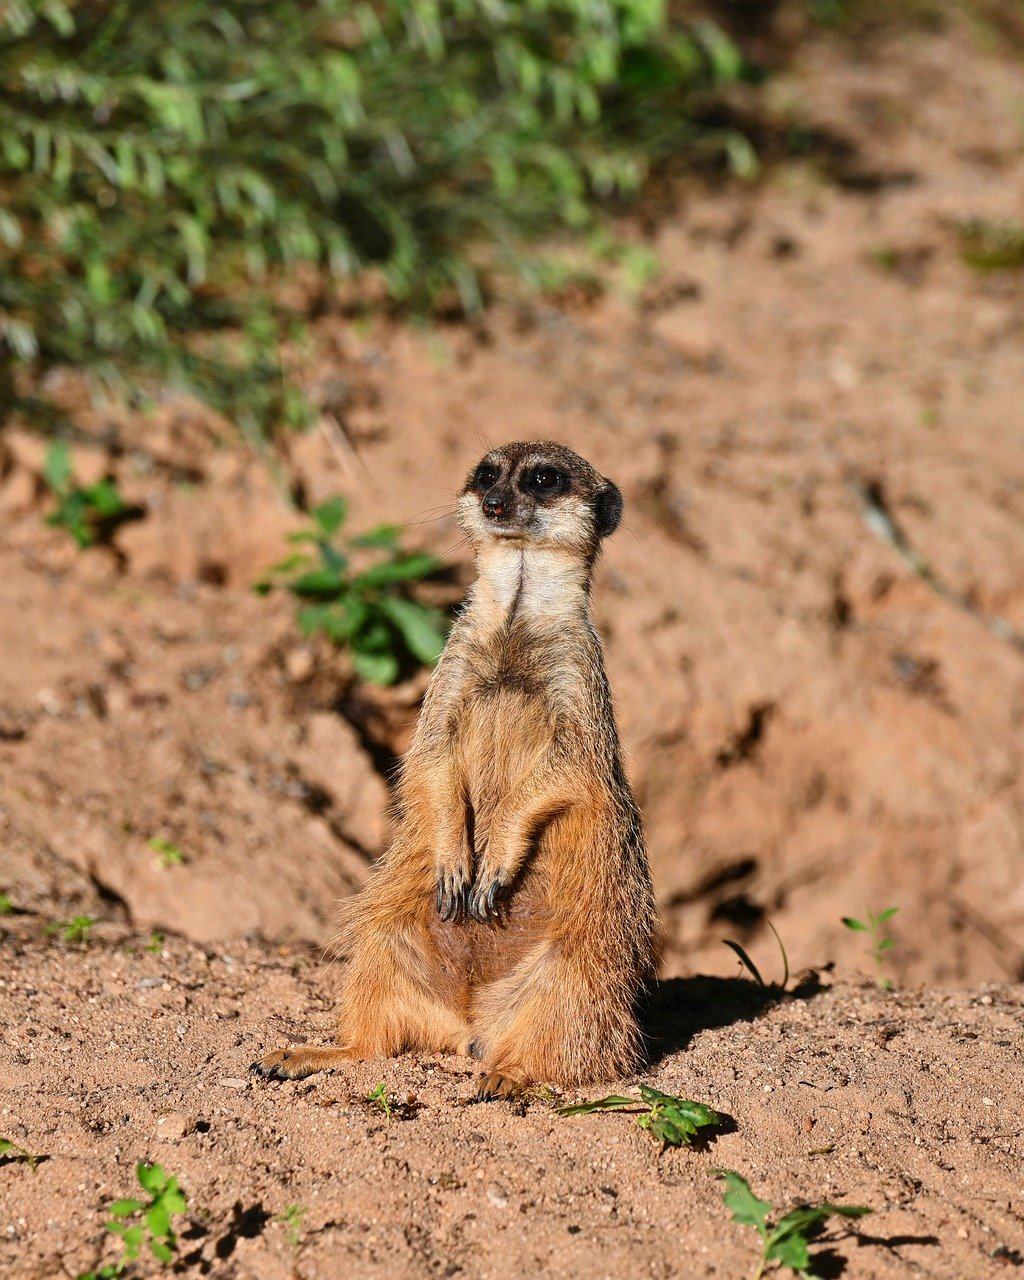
[504, 738]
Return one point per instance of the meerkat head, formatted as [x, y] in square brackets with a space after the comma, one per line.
[539, 494]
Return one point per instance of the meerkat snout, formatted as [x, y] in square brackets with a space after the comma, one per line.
[539, 493]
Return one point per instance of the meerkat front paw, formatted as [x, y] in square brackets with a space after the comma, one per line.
[486, 899]
[452, 891]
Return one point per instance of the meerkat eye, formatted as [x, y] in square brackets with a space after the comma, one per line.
[545, 481]
[485, 475]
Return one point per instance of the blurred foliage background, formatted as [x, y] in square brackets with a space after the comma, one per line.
[167, 165]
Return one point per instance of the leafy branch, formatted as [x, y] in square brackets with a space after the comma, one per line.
[162, 173]
[369, 611]
[675, 1121]
[785, 1241]
[139, 1222]
[90, 513]
[881, 943]
[10, 1151]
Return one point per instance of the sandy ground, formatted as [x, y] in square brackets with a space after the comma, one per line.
[811, 727]
[908, 1103]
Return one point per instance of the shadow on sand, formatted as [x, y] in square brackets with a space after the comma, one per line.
[677, 1008]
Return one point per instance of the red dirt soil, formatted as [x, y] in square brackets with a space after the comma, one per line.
[813, 729]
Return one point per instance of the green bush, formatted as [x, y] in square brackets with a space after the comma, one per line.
[163, 163]
[372, 612]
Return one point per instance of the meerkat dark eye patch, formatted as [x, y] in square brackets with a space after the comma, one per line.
[544, 481]
[484, 476]
[607, 509]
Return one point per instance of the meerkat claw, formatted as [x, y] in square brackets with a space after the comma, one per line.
[494, 1086]
[485, 900]
[452, 898]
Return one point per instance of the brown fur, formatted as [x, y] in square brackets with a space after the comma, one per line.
[512, 913]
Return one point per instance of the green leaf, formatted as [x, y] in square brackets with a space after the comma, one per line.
[379, 1095]
[104, 499]
[313, 618]
[162, 1251]
[330, 515]
[125, 1208]
[400, 570]
[421, 628]
[676, 1120]
[11, 1151]
[799, 1220]
[174, 1198]
[662, 1126]
[57, 466]
[333, 558]
[384, 535]
[885, 944]
[375, 637]
[345, 618]
[151, 1177]
[693, 1114]
[847, 1210]
[885, 915]
[612, 1103]
[290, 563]
[158, 1219]
[858, 926]
[319, 583]
[791, 1251]
[132, 1237]
[376, 668]
[746, 961]
[745, 1207]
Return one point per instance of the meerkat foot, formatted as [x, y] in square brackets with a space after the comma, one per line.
[452, 893]
[486, 898]
[492, 1086]
[299, 1061]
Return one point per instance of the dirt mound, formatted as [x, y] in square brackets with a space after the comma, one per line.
[115, 1053]
[813, 617]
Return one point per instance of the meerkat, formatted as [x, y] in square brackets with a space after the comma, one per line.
[511, 915]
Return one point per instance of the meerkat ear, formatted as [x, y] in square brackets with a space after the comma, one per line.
[607, 509]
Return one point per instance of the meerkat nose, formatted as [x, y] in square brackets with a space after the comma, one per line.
[495, 506]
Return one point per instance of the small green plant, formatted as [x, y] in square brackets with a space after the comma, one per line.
[155, 944]
[379, 1097]
[10, 1151]
[6, 905]
[140, 1222]
[785, 1241]
[75, 932]
[90, 513]
[291, 1218]
[676, 1121]
[991, 246]
[169, 854]
[748, 964]
[880, 942]
[886, 257]
[370, 612]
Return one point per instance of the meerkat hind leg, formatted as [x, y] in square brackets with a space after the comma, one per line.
[546, 1023]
